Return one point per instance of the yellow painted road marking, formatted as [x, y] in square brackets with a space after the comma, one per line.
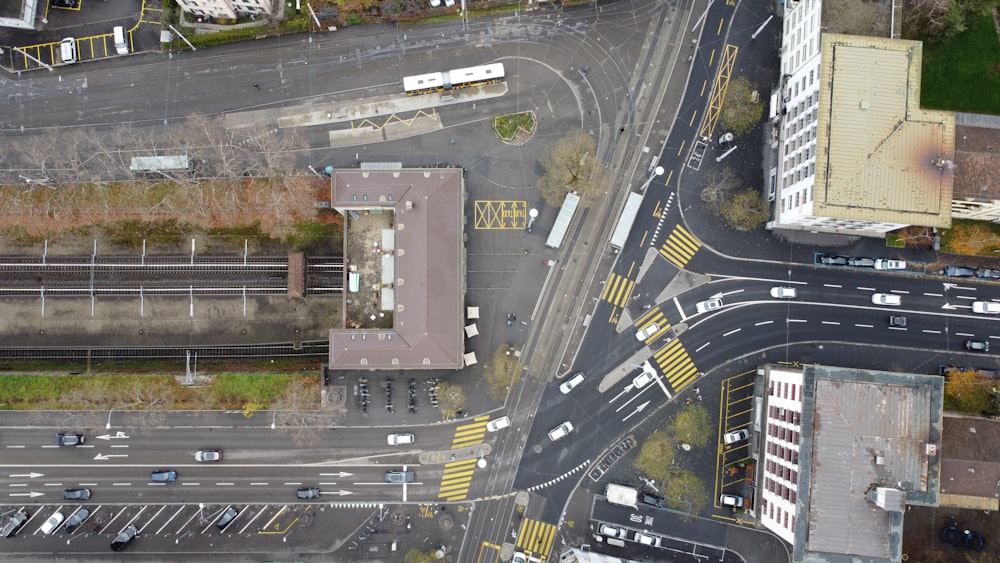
[680, 246]
[536, 537]
[500, 214]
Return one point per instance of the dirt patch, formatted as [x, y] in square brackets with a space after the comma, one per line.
[922, 535]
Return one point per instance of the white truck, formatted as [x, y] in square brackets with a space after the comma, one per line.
[622, 495]
[625, 221]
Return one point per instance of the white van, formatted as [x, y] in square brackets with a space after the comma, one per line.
[67, 50]
[121, 47]
[400, 439]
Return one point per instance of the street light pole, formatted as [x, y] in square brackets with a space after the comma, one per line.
[108, 425]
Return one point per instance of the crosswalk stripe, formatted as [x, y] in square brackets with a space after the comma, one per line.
[680, 246]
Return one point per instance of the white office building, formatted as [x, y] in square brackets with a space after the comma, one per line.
[855, 152]
[229, 9]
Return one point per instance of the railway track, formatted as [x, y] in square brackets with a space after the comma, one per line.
[311, 348]
[162, 275]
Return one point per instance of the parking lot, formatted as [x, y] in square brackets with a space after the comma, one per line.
[90, 23]
[735, 465]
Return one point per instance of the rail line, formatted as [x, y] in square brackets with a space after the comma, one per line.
[310, 348]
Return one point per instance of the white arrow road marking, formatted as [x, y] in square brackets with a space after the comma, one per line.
[341, 474]
[28, 475]
[638, 409]
[948, 286]
[118, 436]
[103, 457]
[338, 493]
[31, 494]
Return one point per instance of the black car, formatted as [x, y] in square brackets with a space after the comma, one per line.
[959, 272]
[75, 520]
[977, 345]
[13, 523]
[988, 273]
[307, 492]
[651, 500]
[69, 439]
[124, 538]
[228, 515]
[65, 3]
[833, 260]
[76, 494]
[897, 320]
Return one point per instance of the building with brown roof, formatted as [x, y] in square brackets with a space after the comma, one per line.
[405, 269]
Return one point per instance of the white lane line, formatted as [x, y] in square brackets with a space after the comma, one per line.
[702, 347]
[121, 484]
[831, 323]
[321, 483]
[863, 326]
[970, 297]
[22, 447]
[184, 484]
[762, 323]
[119, 445]
[796, 321]
[60, 484]
[934, 294]
[680, 310]
[171, 519]
[734, 331]
[859, 288]
[931, 331]
[293, 484]
[833, 285]
[896, 328]
[963, 334]
[258, 484]
[224, 484]
[900, 291]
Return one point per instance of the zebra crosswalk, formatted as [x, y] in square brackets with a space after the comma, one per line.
[675, 364]
[457, 475]
[680, 246]
[535, 538]
[617, 290]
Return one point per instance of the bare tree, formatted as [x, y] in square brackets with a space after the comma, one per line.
[719, 186]
[300, 414]
[571, 165]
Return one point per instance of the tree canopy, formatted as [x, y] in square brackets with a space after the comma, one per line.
[740, 113]
[745, 211]
[571, 165]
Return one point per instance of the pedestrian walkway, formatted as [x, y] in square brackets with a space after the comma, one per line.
[617, 290]
[680, 246]
[676, 365]
[653, 316]
[470, 434]
[535, 538]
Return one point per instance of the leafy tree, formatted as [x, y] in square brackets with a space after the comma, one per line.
[740, 113]
[414, 555]
[571, 166]
[656, 456]
[745, 211]
[685, 491]
[691, 426]
[972, 237]
[941, 20]
[967, 391]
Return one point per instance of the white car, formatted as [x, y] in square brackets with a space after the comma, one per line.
[646, 333]
[208, 455]
[886, 299]
[709, 305]
[560, 431]
[67, 50]
[643, 538]
[734, 501]
[613, 531]
[577, 379]
[885, 264]
[783, 292]
[986, 307]
[52, 523]
[736, 436]
[519, 557]
[498, 424]
[643, 379]
[400, 439]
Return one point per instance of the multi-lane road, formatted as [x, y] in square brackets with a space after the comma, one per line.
[524, 485]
